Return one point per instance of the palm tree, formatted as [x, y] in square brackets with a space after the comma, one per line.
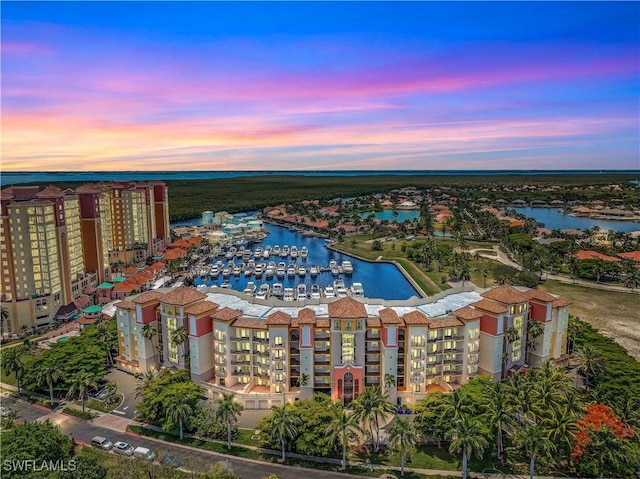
[178, 338]
[106, 339]
[534, 329]
[534, 441]
[228, 412]
[560, 427]
[144, 380]
[609, 453]
[80, 385]
[499, 411]
[589, 362]
[179, 411]
[4, 318]
[371, 407]
[12, 364]
[284, 426]
[402, 437]
[149, 331]
[466, 436]
[510, 335]
[49, 373]
[389, 381]
[342, 428]
[304, 380]
[457, 405]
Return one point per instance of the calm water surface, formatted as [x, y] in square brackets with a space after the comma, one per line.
[555, 220]
[388, 215]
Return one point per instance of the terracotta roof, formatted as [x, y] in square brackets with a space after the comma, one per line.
[6, 193]
[467, 313]
[506, 294]
[87, 189]
[125, 304]
[582, 255]
[50, 191]
[389, 316]
[174, 254]
[491, 306]
[415, 318]
[445, 323]
[146, 297]
[373, 323]
[347, 308]
[250, 323]
[279, 318]
[125, 287]
[306, 316]
[183, 295]
[226, 314]
[632, 255]
[561, 302]
[539, 295]
[323, 323]
[202, 307]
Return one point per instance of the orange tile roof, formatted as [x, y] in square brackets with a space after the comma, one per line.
[415, 318]
[130, 270]
[146, 297]
[389, 316]
[279, 318]
[226, 314]
[50, 191]
[467, 313]
[174, 253]
[183, 295]
[538, 295]
[347, 308]
[125, 304]
[126, 286]
[632, 255]
[373, 323]
[587, 254]
[250, 323]
[561, 302]
[306, 316]
[491, 306]
[322, 323]
[158, 265]
[196, 240]
[445, 323]
[180, 243]
[201, 307]
[506, 294]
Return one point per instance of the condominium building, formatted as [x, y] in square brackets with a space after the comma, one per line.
[56, 243]
[267, 351]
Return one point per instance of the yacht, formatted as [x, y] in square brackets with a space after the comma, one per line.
[203, 273]
[259, 270]
[342, 293]
[276, 250]
[230, 253]
[236, 270]
[357, 291]
[288, 295]
[248, 269]
[338, 283]
[226, 272]
[214, 271]
[314, 270]
[257, 254]
[333, 266]
[276, 290]
[250, 289]
[347, 267]
[268, 273]
[284, 251]
[291, 270]
[329, 292]
[315, 292]
[302, 271]
[225, 284]
[301, 292]
[294, 252]
[267, 252]
[304, 252]
[280, 272]
[263, 292]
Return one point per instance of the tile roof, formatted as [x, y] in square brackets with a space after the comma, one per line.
[415, 318]
[174, 253]
[538, 295]
[322, 323]
[491, 306]
[201, 307]
[561, 302]
[467, 313]
[250, 323]
[144, 297]
[49, 191]
[445, 323]
[306, 316]
[632, 255]
[347, 308]
[506, 294]
[373, 323]
[279, 318]
[389, 316]
[125, 304]
[226, 314]
[183, 295]
[588, 254]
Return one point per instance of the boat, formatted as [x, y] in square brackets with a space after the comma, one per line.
[248, 269]
[276, 250]
[329, 292]
[338, 283]
[263, 292]
[257, 254]
[357, 291]
[315, 292]
[347, 267]
[280, 272]
[214, 271]
[230, 253]
[250, 289]
[259, 270]
[267, 252]
[301, 292]
[225, 284]
[291, 270]
[226, 272]
[302, 271]
[277, 290]
[304, 252]
[236, 270]
[203, 273]
[285, 251]
[314, 270]
[333, 266]
[268, 273]
[294, 252]
[342, 293]
[288, 295]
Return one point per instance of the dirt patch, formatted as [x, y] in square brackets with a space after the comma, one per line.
[614, 314]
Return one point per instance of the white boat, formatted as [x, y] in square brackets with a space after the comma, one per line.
[225, 284]
[333, 266]
[315, 292]
[285, 251]
[338, 283]
[248, 269]
[314, 270]
[304, 252]
[263, 292]
[267, 252]
[226, 272]
[277, 290]
[203, 273]
[294, 252]
[288, 295]
[276, 250]
[214, 271]
[347, 267]
[301, 292]
[329, 292]
[280, 272]
[357, 291]
[291, 270]
[268, 273]
[259, 270]
[230, 254]
[250, 289]
[236, 270]
[342, 293]
[257, 254]
[302, 271]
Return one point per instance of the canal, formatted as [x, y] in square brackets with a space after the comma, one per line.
[556, 220]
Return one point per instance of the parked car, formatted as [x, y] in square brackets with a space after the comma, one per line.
[100, 442]
[172, 461]
[143, 453]
[123, 448]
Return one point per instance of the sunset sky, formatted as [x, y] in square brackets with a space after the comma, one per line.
[307, 86]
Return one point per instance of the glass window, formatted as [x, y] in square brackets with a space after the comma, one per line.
[278, 341]
[348, 348]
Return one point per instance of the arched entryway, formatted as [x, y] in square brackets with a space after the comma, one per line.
[347, 389]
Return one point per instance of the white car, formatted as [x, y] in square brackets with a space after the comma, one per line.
[123, 448]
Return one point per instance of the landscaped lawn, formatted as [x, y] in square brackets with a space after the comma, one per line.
[244, 437]
[7, 378]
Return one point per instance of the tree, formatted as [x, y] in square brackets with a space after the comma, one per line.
[402, 437]
[4, 319]
[389, 381]
[466, 436]
[144, 381]
[560, 427]
[107, 340]
[149, 332]
[80, 385]
[342, 429]
[534, 329]
[304, 380]
[49, 373]
[86, 468]
[499, 411]
[178, 338]
[370, 408]
[228, 412]
[533, 440]
[285, 426]
[456, 405]
[589, 363]
[12, 363]
[178, 411]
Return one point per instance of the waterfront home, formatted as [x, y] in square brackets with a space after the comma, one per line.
[588, 255]
[632, 256]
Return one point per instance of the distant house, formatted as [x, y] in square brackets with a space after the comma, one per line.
[588, 254]
[633, 256]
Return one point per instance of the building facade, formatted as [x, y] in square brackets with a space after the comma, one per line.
[267, 352]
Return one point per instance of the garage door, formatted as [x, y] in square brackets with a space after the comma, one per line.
[250, 405]
[264, 404]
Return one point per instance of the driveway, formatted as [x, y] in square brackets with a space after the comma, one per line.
[127, 386]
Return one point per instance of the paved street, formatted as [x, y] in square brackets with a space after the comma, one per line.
[127, 386]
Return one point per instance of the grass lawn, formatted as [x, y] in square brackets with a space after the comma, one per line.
[614, 314]
[244, 437]
[7, 378]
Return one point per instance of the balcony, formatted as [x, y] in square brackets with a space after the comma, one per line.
[322, 359]
[321, 348]
[221, 361]
[240, 373]
[417, 344]
[240, 351]
[261, 340]
[277, 346]
[372, 371]
[294, 362]
[264, 376]
[372, 348]
[455, 337]
[371, 336]
[240, 338]
[277, 357]
[322, 381]
[372, 359]
[294, 372]
[371, 381]
[321, 337]
[321, 371]
[241, 362]
[433, 340]
[262, 354]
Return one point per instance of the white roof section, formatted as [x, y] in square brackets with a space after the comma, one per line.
[450, 303]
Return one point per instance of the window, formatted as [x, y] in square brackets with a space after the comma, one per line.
[348, 325]
[416, 353]
[517, 322]
[348, 348]
[474, 333]
[278, 354]
[278, 341]
[279, 365]
[336, 325]
[472, 369]
[417, 341]
[416, 387]
[359, 325]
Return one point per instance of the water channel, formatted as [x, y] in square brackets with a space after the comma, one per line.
[556, 220]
